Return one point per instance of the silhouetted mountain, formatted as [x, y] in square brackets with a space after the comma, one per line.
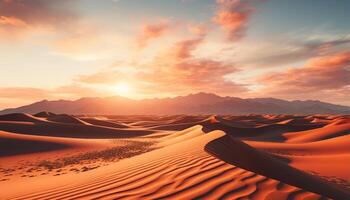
[200, 103]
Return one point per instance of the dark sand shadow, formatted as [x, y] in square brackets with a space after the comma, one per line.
[11, 146]
[240, 154]
[268, 132]
[71, 130]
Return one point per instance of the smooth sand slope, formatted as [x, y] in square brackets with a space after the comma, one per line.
[175, 157]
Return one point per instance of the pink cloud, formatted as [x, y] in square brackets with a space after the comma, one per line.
[183, 49]
[17, 16]
[151, 31]
[12, 21]
[180, 71]
[233, 16]
[37, 11]
[319, 76]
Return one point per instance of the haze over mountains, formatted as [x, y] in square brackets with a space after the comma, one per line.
[200, 103]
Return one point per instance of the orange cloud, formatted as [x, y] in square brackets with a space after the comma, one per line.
[176, 71]
[319, 75]
[151, 31]
[232, 16]
[11, 21]
[16, 15]
[183, 49]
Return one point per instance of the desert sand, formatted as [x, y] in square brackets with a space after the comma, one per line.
[51, 156]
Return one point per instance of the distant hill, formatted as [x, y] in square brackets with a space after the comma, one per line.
[200, 103]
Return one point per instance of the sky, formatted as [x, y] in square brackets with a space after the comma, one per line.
[68, 49]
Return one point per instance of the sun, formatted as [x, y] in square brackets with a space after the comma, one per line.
[123, 89]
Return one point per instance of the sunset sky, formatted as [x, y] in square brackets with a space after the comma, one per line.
[67, 49]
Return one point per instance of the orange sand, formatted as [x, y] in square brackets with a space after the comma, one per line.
[204, 157]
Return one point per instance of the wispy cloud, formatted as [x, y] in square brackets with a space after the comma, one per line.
[175, 69]
[325, 74]
[12, 21]
[152, 31]
[16, 15]
[233, 16]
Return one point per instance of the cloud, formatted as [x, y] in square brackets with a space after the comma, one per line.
[36, 12]
[12, 21]
[17, 16]
[151, 31]
[307, 50]
[183, 49]
[58, 25]
[176, 70]
[194, 75]
[281, 52]
[320, 75]
[233, 16]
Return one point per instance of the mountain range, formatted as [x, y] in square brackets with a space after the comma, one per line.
[199, 103]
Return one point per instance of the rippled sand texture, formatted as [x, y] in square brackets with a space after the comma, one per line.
[175, 157]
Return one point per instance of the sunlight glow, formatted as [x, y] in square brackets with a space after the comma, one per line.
[123, 89]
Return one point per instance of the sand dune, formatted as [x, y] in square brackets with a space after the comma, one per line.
[339, 145]
[230, 149]
[329, 131]
[63, 118]
[14, 144]
[99, 122]
[211, 157]
[63, 126]
[20, 117]
[189, 173]
[265, 132]
[181, 136]
[44, 114]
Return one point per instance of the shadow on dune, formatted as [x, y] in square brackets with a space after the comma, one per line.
[63, 118]
[240, 154]
[62, 125]
[19, 117]
[71, 130]
[268, 132]
[15, 146]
